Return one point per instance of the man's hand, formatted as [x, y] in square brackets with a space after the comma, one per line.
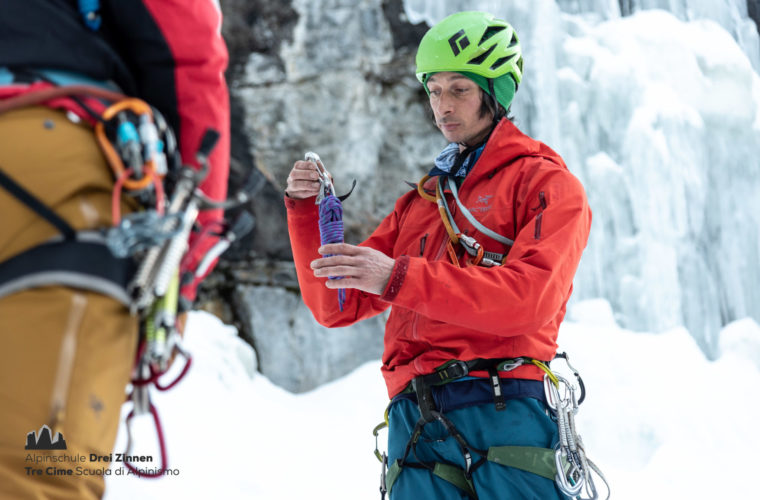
[362, 268]
[303, 181]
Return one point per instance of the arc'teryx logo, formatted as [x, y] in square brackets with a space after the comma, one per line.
[44, 441]
[458, 42]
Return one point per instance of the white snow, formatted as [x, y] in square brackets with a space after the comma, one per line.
[659, 419]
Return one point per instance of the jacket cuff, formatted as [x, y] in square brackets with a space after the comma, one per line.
[305, 207]
[397, 279]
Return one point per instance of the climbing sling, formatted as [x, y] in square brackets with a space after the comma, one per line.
[330, 213]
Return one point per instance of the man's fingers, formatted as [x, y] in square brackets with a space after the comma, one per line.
[304, 165]
[335, 260]
[343, 283]
[325, 272]
[303, 186]
[339, 248]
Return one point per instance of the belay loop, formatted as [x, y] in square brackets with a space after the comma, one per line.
[330, 214]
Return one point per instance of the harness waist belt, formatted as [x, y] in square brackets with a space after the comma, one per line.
[71, 263]
[475, 391]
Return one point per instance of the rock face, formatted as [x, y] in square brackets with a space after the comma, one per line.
[293, 350]
[334, 77]
[337, 77]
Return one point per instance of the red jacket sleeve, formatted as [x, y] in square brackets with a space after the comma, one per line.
[524, 294]
[192, 31]
[303, 229]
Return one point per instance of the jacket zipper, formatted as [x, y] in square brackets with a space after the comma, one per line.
[540, 216]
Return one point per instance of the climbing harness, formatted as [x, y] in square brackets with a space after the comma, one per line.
[478, 254]
[566, 464]
[330, 213]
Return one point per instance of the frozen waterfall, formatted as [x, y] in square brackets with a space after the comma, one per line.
[658, 113]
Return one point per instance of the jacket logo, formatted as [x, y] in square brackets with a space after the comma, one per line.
[458, 42]
[483, 204]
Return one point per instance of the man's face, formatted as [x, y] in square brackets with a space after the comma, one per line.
[456, 100]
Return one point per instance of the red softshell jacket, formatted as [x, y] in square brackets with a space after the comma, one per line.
[519, 188]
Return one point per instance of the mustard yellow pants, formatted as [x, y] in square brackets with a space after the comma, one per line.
[65, 354]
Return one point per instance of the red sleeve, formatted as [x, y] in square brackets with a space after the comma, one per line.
[524, 294]
[192, 30]
[303, 229]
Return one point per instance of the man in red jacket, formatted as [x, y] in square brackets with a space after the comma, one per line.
[67, 338]
[477, 267]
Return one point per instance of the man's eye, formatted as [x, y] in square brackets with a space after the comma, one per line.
[435, 93]
[460, 91]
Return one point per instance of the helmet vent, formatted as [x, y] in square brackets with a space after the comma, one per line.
[482, 57]
[491, 31]
[514, 40]
[501, 61]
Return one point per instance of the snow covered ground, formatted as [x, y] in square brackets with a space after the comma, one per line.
[660, 420]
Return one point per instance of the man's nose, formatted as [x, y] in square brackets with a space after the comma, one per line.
[445, 104]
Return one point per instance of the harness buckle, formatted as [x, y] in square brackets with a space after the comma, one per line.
[457, 369]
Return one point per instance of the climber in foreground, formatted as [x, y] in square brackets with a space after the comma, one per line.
[114, 121]
[477, 266]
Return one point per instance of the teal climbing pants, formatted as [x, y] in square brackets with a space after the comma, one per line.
[524, 423]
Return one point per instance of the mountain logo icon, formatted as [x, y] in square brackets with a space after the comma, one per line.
[44, 440]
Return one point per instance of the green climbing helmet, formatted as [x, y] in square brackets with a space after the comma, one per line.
[473, 43]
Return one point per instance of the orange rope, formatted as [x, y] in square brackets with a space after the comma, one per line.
[452, 253]
[421, 190]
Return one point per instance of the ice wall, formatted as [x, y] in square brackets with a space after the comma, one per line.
[658, 113]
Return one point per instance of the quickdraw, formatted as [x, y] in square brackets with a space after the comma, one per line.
[576, 478]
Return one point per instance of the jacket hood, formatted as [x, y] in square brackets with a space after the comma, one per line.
[507, 144]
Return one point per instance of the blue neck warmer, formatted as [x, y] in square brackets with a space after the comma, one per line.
[446, 159]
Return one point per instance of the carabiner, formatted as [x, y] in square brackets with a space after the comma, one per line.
[161, 444]
[325, 179]
[563, 479]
